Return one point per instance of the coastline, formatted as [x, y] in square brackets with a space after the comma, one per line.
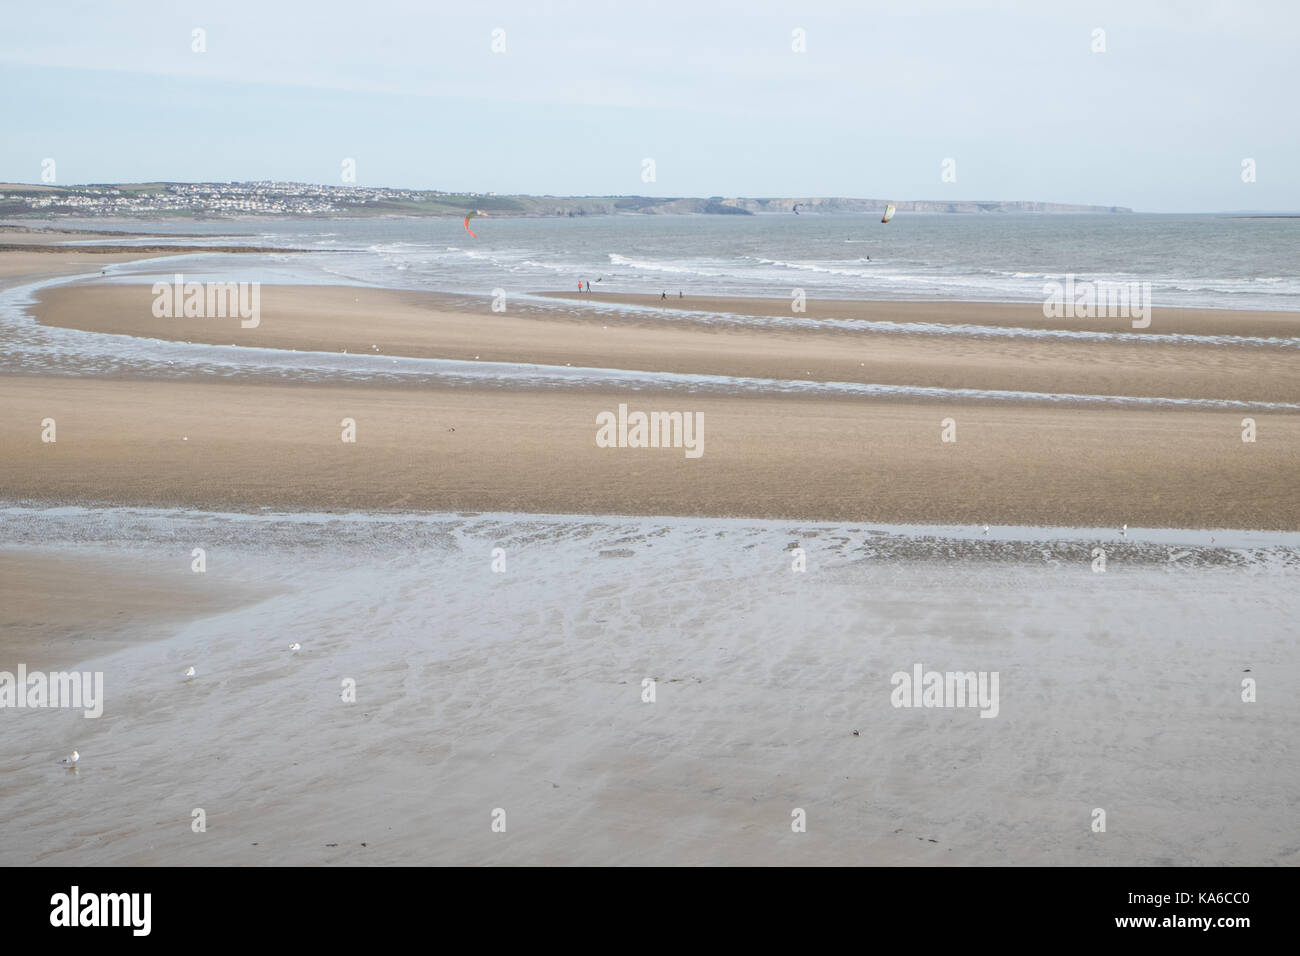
[521, 687]
[401, 323]
[491, 444]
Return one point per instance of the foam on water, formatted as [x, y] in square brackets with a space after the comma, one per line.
[956, 329]
[78, 525]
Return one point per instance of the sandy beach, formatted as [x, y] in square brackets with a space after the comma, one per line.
[520, 687]
[240, 444]
[403, 323]
[242, 447]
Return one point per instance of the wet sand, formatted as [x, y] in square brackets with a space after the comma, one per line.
[58, 610]
[403, 323]
[521, 691]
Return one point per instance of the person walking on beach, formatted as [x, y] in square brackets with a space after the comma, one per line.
[664, 294]
[579, 285]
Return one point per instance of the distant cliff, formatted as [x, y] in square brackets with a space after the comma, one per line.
[838, 205]
[305, 200]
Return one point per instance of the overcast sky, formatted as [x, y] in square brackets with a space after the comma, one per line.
[711, 91]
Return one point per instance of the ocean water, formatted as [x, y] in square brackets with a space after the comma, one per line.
[1220, 261]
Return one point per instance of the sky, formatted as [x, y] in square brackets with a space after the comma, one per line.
[577, 95]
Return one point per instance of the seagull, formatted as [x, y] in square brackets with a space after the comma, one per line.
[986, 529]
[856, 734]
[189, 673]
[1123, 532]
[295, 646]
[71, 761]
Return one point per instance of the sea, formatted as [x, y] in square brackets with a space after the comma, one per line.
[1198, 261]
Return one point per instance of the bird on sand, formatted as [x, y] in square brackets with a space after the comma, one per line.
[70, 761]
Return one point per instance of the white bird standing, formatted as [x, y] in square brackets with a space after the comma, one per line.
[986, 529]
[70, 761]
[189, 673]
[295, 646]
[1123, 532]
